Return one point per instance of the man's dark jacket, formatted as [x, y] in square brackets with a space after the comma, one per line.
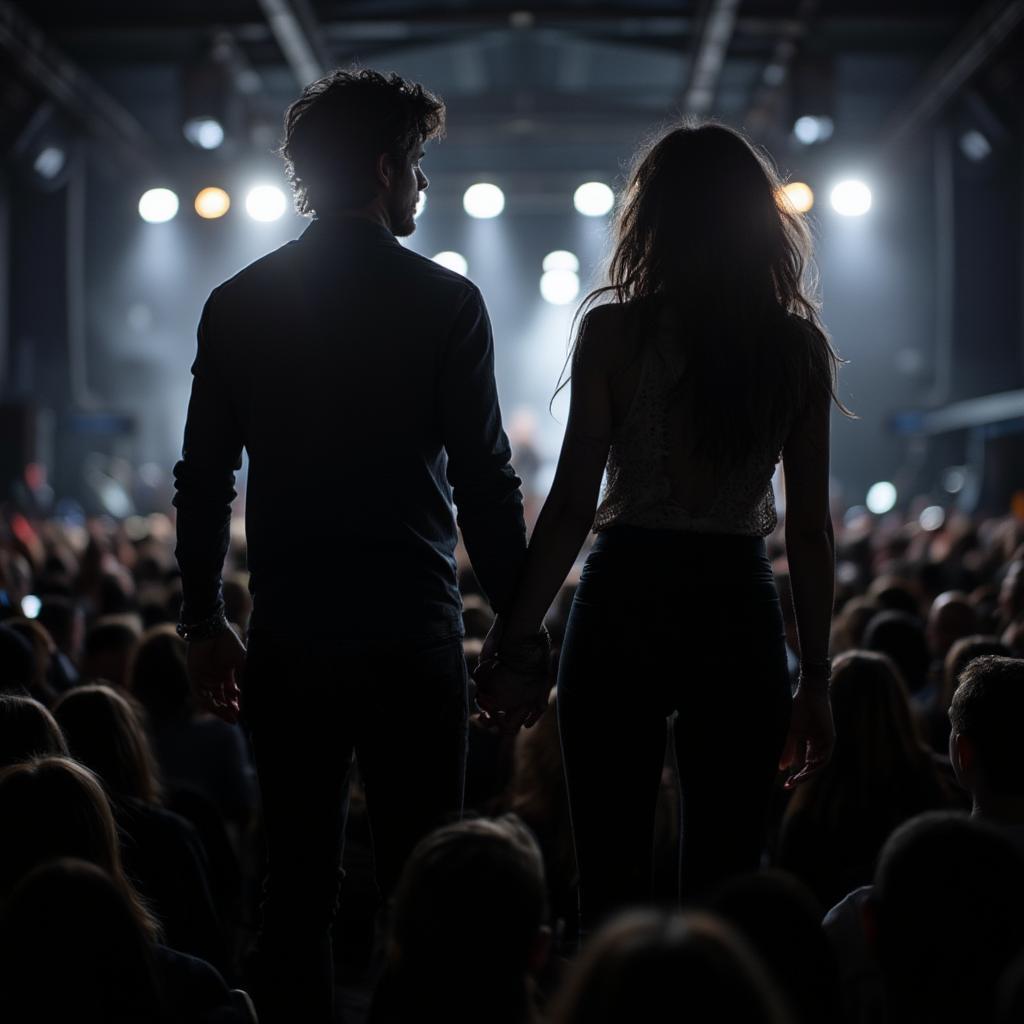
[359, 377]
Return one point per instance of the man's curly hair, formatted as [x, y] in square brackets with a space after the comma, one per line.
[334, 132]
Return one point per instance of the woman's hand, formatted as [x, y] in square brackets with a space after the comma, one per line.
[812, 734]
[513, 693]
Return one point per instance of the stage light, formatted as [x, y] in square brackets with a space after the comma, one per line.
[483, 201]
[593, 199]
[559, 287]
[49, 162]
[31, 606]
[975, 146]
[421, 205]
[932, 517]
[265, 203]
[204, 132]
[810, 130]
[881, 497]
[561, 259]
[954, 479]
[798, 195]
[212, 203]
[851, 198]
[453, 261]
[158, 205]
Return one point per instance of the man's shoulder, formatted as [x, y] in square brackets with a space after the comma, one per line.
[257, 276]
[425, 272]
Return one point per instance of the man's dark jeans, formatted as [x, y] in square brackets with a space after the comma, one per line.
[310, 706]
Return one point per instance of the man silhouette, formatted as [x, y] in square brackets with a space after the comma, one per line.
[359, 378]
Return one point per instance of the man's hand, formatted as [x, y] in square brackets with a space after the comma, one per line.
[812, 735]
[214, 669]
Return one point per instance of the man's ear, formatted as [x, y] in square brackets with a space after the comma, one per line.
[962, 754]
[385, 170]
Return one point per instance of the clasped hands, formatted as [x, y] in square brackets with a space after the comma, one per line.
[513, 679]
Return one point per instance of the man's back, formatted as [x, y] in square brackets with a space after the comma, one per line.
[351, 370]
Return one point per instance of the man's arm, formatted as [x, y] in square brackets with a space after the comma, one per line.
[204, 482]
[485, 486]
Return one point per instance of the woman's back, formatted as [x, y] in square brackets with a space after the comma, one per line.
[659, 474]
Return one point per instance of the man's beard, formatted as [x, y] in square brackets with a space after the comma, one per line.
[403, 221]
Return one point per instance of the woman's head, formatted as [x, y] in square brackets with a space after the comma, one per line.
[98, 962]
[158, 677]
[27, 730]
[54, 807]
[103, 732]
[704, 213]
[645, 961]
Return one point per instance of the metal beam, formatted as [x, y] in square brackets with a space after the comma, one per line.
[302, 42]
[964, 56]
[709, 56]
[972, 412]
[75, 92]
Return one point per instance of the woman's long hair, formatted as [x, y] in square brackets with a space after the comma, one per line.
[705, 227]
[51, 808]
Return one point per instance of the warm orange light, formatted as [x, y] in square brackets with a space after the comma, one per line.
[212, 203]
[798, 196]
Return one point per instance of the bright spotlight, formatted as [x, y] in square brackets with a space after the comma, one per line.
[881, 497]
[559, 287]
[561, 259]
[798, 195]
[31, 606]
[810, 130]
[421, 205]
[204, 132]
[593, 199]
[158, 205]
[212, 203]
[483, 201]
[851, 198]
[49, 162]
[953, 479]
[932, 517]
[453, 261]
[265, 203]
[974, 145]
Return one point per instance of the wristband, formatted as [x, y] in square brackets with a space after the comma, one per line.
[204, 629]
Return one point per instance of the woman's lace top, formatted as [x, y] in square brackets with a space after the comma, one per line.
[638, 486]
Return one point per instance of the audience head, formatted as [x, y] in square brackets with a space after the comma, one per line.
[65, 621]
[72, 947]
[103, 732]
[900, 635]
[158, 676]
[470, 918]
[946, 917]
[27, 730]
[109, 646]
[960, 655]
[781, 920]
[344, 127]
[986, 744]
[54, 807]
[1011, 592]
[17, 662]
[952, 616]
[644, 962]
[894, 594]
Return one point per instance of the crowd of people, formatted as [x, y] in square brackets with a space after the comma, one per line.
[892, 882]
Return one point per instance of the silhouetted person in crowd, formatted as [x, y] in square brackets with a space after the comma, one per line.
[65, 621]
[27, 730]
[900, 636]
[109, 647]
[469, 929]
[986, 744]
[162, 851]
[647, 966]
[706, 364]
[359, 378]
[882, 773]
[781, 920]
[950, 618]
[17, 663]
[947, 918]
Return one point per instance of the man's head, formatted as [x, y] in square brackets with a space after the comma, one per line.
[946, 917]
[985, 745]
[354, 140]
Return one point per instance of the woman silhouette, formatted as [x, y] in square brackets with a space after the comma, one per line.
[704, 366]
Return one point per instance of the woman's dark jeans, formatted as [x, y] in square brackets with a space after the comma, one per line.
[667, 621]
